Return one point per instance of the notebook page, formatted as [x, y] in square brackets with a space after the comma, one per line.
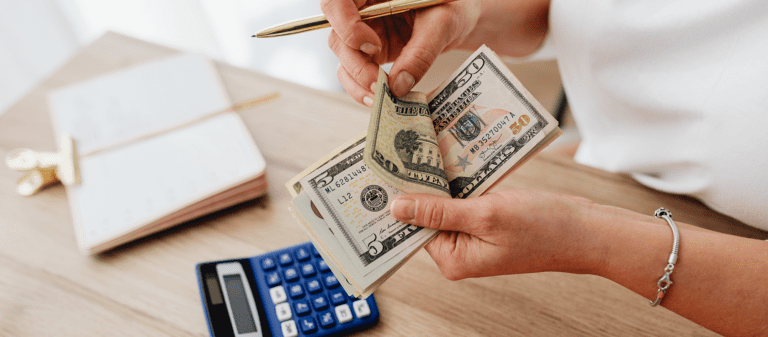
[140, 100]
[132, 186]
[127, 187]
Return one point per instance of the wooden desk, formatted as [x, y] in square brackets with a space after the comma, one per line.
[47, 288]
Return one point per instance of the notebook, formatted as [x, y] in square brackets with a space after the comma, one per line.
[158, 145]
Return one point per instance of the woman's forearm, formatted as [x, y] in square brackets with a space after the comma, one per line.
[509, 27]
[720, 281]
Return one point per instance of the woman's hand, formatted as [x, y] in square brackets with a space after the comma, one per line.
[411, 40]
[519, 231]
[506, 232]
[414, 39]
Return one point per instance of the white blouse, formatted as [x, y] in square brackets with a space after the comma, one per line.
[674, 93]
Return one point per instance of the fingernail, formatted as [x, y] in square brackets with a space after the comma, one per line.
[403, 83]
[373, 87]
[370, 49]
[403, 209]
[368, 100]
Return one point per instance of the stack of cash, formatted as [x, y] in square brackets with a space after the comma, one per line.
[457, 142]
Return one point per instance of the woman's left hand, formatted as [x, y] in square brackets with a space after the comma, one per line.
[506, 232]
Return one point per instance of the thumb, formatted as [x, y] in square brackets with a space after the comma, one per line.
[426, 210]
[433, 31]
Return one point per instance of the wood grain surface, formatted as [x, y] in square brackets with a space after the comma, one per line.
[149, 287]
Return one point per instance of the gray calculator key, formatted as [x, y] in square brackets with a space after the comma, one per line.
[283, 311]
[343, 314]
[289, 329]
[278, 295]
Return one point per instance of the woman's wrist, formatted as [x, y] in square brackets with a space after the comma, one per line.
[583, 246]
[511, 28]
[604, 236]
[632, 249]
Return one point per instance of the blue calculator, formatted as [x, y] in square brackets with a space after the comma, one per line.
[288, 292]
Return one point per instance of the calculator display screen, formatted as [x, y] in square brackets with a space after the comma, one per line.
[238, 301]
[213, 289]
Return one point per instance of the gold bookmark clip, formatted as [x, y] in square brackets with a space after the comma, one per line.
[45, 168]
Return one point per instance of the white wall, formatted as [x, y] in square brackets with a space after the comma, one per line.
[37, 36]
[35, 39]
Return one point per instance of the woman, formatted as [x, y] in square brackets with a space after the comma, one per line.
[673, 93]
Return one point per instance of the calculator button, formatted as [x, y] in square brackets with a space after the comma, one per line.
[338, 298]
[308, 325]
[296, 291]
[319, 302]
[302, 254]
[268, 264]
[289, 329]
[313, 286]
[322, 266]
[307, 270]
[302, 307]
[283, 311]
[343, 314]
[272, 278]
[285, 259]
[326, 319]
[277, 294]
[314, 251]
[331, 282]
[361, 308]
[291, 274]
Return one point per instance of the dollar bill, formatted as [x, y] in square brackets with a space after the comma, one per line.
[471, 131]
[354, 203]
[330, 248]
[483, 123]
[294, 186]
[402, 147]
[305, 212]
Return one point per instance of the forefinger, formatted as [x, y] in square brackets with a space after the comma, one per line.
[344, 17]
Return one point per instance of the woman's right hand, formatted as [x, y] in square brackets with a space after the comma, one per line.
[412, 40]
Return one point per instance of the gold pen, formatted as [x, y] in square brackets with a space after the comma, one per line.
[371, 12]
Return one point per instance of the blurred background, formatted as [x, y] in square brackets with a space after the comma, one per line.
[38, 36]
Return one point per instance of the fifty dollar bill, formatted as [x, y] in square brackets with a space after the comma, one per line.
[475, 128]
